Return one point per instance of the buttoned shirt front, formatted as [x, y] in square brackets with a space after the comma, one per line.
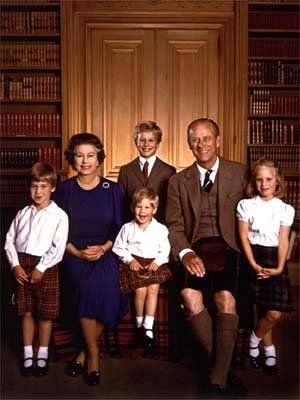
[152, 242]
[41, 233]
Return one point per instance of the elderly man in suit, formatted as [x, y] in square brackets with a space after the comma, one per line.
[147, 169]
[200, 216]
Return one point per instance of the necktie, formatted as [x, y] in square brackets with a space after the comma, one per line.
[207, 184]
[145, 171]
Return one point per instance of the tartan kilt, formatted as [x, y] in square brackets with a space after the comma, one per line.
[129, 280]
[274, 293]
[42, 300]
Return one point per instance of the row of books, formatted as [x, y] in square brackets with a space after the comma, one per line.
[274, 47]
[273, 131]
[266, 102]
[44, 54]
[12, 2]
[30, 87]
[273, 72]
[287, 157]
[292, 195]
[272, 20]
[14, 191]
[20, 158]
[30, 124]
[29, 22]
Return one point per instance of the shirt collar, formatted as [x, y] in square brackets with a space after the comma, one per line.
[151, 160]
[50, 208]
[214, 170]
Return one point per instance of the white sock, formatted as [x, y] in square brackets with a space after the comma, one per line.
[28, 352]
[254, 342]
[42, 353]
[270, 351]
[139, 321]
[148, 324]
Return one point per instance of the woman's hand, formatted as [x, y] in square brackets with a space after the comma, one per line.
[92, 253]
[134, 265]
[20, 275]
[152, 267]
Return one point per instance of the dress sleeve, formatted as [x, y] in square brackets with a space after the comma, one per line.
[287, 215]
[118, 200]
[242, 211]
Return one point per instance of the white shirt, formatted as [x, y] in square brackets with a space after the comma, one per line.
[151, 160]
[151, 242]
[214, 170]
[41, 233]
[212, 177]
[265, 219]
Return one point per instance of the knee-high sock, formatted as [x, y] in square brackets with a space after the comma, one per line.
[201, 326]
[226, 328]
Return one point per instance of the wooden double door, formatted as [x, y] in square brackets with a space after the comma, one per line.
[155, 72]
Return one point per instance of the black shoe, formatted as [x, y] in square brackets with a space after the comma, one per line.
[270, 370]
[75, 368]
[235, 386]
[27, 371]
[149, 349]
[139, 335]
[256, 362]
[217, 392]
[41, 371]
[93, 378]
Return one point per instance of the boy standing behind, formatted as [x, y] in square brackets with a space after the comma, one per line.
[35, 244]
[147, 169]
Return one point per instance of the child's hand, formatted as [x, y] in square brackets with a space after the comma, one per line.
[36, 276]
[20, 275]
[268, 272]
[134, 265]
[152, 267]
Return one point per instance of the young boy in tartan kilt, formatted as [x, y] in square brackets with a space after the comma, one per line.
[35, 244]
[264, 223]
[143, 247]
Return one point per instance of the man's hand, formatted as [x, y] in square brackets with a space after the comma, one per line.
[193, 264]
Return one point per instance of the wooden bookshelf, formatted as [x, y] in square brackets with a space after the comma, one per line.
[30, 93]
[273, 89]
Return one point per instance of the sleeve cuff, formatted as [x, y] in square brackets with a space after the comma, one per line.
[183, 252]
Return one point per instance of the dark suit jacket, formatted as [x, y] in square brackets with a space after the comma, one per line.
[184, 204]
[131, 177]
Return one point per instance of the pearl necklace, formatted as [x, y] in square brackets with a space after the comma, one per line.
[89, 186]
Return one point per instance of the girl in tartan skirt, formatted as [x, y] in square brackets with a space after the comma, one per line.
[35, 244]
[264, 223]
[143, 247]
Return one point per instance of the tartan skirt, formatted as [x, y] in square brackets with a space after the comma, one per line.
[131, 280]
[274, 293]
[42, 299]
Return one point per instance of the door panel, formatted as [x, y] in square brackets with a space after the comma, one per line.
[167, 75]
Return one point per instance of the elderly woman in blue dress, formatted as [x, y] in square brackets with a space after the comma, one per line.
[91, 293]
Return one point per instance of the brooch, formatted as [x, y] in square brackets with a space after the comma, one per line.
[105, 185]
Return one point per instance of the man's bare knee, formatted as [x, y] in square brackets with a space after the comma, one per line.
[192, 301]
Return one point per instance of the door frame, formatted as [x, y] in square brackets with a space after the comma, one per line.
[228, 17]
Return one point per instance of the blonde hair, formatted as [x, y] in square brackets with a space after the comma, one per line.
[143, 193]
[266, 162]
[148, 126]
[43, 172]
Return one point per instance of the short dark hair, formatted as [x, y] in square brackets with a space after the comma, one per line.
[202, 121]
[41, 171]
[148, 126]
[266, 162]
[142, 193]
[84, 138]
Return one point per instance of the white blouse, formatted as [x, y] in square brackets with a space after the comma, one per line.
[151, 242]
[41, 233]
[265, 219]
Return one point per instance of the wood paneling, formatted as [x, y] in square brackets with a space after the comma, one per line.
[128, 61]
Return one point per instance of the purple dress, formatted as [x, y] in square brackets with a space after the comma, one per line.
[91, 289]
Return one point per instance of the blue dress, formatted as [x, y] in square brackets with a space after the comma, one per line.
[91, 289]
